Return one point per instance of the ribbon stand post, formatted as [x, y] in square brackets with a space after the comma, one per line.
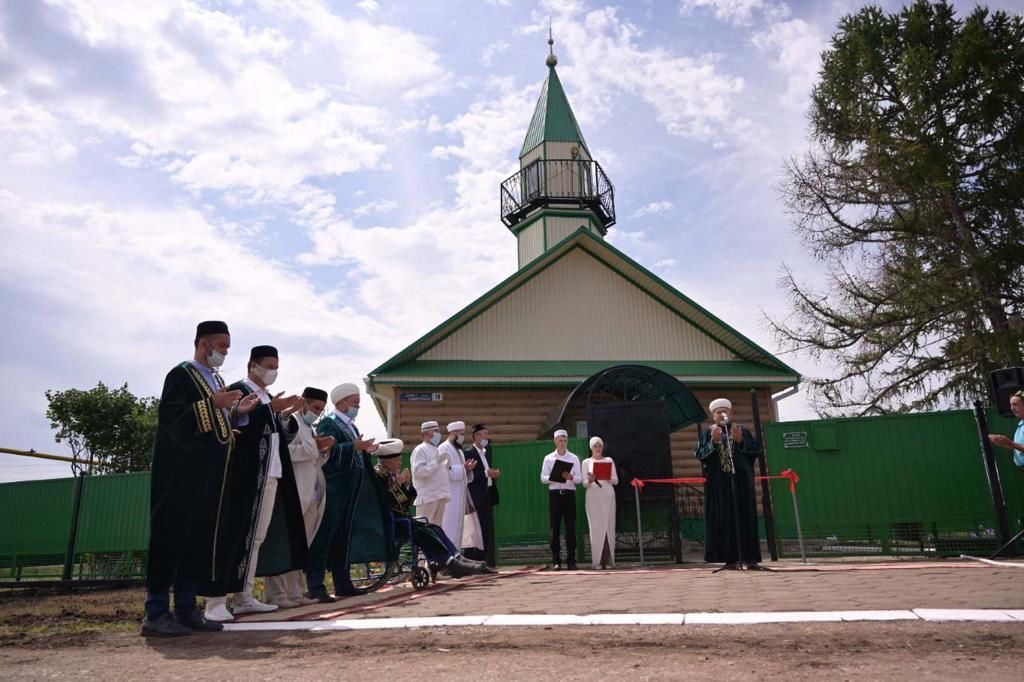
[793, 480]
[637, 484]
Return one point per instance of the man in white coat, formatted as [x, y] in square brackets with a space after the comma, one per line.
[460, 472]
[430, 475]
[309, 452]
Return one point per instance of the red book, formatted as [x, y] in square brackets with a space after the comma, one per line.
[603, 471]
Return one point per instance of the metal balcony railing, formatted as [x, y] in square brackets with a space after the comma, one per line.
[559, 183]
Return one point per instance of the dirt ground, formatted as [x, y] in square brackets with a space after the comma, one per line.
[95, 635]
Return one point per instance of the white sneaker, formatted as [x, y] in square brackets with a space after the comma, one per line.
[284, 603]
[217, 610]
[254, 606]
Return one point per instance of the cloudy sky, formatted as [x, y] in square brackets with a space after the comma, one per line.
[324, 175]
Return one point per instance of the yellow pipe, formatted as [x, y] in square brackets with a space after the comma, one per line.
[38, 455]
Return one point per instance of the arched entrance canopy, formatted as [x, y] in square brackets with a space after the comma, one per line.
[627, 383]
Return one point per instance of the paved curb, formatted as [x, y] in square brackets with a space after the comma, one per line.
[738, 618]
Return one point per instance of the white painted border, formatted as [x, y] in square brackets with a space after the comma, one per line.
[738, 618]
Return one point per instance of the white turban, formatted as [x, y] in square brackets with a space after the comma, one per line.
[389, 446]
[596, 440]
[561, 432]
[342, 391]
[428, 426]
[718, 403]
[456, 426]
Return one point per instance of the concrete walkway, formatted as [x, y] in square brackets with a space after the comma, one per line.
[834, 587]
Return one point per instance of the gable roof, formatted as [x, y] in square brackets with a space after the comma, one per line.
[402, 366]
[553, 120]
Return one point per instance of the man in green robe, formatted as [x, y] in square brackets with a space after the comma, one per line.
[190, 515]
[356, 526]
[727, 453]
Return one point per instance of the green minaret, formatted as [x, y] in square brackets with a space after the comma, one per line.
[559, 188]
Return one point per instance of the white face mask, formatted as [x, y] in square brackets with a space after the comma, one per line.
[308, 417]
[484, 442]
[267, 376]
[460, 439]
[435, 438]
[215, 358]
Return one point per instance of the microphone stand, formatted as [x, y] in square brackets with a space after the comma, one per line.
[739, 564]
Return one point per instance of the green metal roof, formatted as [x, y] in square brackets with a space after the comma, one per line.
[553, 120]
[577, 369]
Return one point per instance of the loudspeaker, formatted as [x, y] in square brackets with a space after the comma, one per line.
[1006, 382]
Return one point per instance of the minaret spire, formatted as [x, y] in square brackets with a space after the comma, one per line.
[552, 59]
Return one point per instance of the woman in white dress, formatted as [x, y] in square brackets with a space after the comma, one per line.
[600, 507]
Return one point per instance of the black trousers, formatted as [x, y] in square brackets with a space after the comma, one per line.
[562, 505]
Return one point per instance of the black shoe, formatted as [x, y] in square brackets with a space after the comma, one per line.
[572, 566]
[323, 598]
[484, 569]
[197, 622]
[460, 568]
[164, 626]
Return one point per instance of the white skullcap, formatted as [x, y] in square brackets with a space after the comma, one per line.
[456, 426]
[595, 441]
[389, 446]
[342, 391]
[428, 426]
[561, 432]
[719, 402]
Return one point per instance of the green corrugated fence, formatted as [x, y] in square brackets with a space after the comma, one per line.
[893, 485]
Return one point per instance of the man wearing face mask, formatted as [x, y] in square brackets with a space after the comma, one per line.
[459, 472]
[188, 511]
[483, 491]
[430, 475]
[262, 467]
[309, 453]
[345, 473]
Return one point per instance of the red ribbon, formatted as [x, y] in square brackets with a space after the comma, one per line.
[787, 474]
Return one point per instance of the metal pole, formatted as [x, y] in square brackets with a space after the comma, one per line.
[766, 489]
[639, 524]
[76, 507]
[799, 530]
[992, 472]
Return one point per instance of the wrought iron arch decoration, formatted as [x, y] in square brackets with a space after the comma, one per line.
[628, 383]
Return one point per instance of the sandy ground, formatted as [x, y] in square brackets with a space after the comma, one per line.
[840, 651]
[94, 634]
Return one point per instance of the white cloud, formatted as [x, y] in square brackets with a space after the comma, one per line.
[375, 207]
[492, 50]
[736, 11]
[666, 263]
[797, 46]
[654, 208]
[690, 95]
[368, 6]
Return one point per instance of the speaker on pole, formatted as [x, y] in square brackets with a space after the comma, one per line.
[1006, 382]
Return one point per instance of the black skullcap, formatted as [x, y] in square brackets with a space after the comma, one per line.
[314, 393]
[211, 327]
[259, 352]
[479, 427]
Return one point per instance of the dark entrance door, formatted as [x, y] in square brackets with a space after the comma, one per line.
[636, 436]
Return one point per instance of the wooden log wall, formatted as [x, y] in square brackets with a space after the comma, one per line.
[520, 414]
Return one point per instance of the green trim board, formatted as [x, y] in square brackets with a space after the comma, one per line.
[596, 247]
[576, 368]
[556, 213]
[553, 120]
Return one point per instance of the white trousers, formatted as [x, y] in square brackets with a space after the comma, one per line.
[262, 523]
[288, 586]
[433, 511]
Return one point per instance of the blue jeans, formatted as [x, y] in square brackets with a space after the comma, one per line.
[159, 603]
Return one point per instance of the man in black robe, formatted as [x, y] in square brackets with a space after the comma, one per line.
[262, 471]
[189, 513]
[727, 453]
[483, 491]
